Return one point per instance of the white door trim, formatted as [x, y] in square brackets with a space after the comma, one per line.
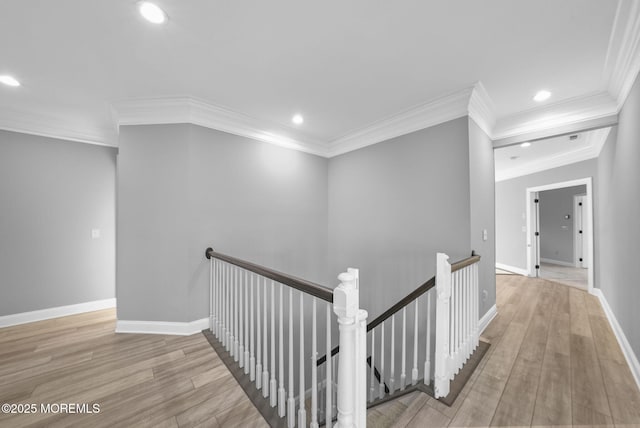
[588, 220]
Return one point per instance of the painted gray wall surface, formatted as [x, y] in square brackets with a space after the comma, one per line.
[482, 210]
[511, 240]
[393, 205]
[619, 212]
[183, 188]
[557, 232]
[52, 193]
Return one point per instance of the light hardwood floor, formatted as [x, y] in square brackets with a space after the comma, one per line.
[138, 380]
[554, 361]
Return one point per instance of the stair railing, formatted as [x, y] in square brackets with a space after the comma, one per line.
[248, 303]
[455, 292]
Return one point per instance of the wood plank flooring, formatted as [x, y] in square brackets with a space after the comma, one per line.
[554, 361]
[138, 380]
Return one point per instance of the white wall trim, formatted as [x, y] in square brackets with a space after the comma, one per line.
[622, 62]
[571, 111]
[481, 108]
[162, 327]
[431, 113]
[513, 269]
[588, 221]
[57, 312]
[593, 146]
[52, 127]
[486, 319]
[169, 110]
[629, 355]
[557, 262]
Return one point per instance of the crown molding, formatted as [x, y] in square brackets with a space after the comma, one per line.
[595, 142]
[169, 110]
[423, 116]
[571, 111]
[622, 63]
[481, 108]
[53, 127]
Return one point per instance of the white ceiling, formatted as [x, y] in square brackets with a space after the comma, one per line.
[343, 65]
[515, 161]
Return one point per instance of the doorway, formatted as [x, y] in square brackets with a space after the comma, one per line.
[560, 232]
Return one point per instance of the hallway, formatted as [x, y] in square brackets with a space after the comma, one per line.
[554, 360]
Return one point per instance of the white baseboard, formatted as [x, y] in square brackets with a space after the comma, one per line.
[513, 269]
[162, 327]
[57, 312]
[487, 318]
[629, 355]
[557, 262]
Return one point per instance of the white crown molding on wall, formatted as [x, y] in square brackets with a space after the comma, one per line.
[593, 147]
[57, 312]
[423, 116]
[574, 110]
[153, 111]
[53, 127]
[481, 108]
[622, 63]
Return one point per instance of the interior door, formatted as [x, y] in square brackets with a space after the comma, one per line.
[580, 208]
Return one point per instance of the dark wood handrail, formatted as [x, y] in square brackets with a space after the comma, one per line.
[408, 299]
[317, 290]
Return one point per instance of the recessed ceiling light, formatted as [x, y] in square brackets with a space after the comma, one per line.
[152, 12]
[542, 95]
[527, 144]
[9, 81]
[297, 119]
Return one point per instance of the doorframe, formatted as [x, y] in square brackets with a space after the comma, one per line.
[532, 248]
[576, 230]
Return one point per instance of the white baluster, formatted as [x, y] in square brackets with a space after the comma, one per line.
[282, 408]
[382, 385]
[414, 372]
[240, 322]
[236, 331]
[443, 296]
[211, 299]
[372, 382]
[392, 367]
[314, 368]
[476, 309]
[403, 374]
[225, 317]
[273, 386]
[328, 380]
[245, 311]
[252, 358]
[427, 358]
[265, 344]
[291, 402]
[454, 320]
[302, 413]
[259, 325]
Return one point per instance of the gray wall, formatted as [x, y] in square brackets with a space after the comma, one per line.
[557, 232]
[482, 210]
[619, 212]
[511, 240]
[393, 205]
[183, 188]
[52, 194]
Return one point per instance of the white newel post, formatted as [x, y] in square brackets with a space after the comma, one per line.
[443, 293]
[352, 325]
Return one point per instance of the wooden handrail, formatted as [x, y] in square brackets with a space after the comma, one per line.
[408, 299]
[317, 290]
